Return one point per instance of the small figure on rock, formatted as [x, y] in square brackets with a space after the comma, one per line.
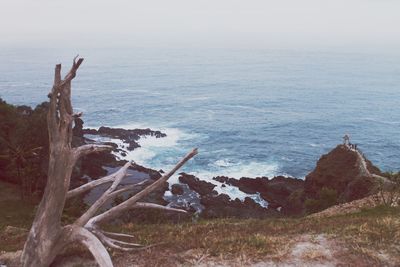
[346, 140]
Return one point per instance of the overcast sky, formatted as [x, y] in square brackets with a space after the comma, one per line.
[202, 22]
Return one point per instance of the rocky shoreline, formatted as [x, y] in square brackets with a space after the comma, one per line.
[337, 171]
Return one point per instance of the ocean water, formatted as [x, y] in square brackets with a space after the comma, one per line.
[251, 113]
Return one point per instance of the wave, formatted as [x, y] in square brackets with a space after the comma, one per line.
[316, 145]
[223, 163]
[245, 107]
[150, 146]
[240, 169]
[155, 151]
[14, 83]
[235, 193]
[197, 98]
[374, 120]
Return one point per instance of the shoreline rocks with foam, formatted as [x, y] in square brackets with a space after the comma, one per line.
[223, 196]
[97, 165]
[128, 136]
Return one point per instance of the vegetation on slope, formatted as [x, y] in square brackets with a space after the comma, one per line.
[370, 237]
[24, 146]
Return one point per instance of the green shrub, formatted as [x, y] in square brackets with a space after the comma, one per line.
[312, 205]
[389, 194]
[326, 198]
[24, 146]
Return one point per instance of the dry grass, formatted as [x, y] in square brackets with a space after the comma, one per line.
[13, 212]
[371, 236]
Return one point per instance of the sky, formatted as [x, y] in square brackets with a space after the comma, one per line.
[224, 23]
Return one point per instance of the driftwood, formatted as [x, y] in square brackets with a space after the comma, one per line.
[48, 237]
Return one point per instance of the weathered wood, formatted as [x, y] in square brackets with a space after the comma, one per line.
[47, 237]
[88, 149]
[93, 244]
[46, 227]
[90, 185]
[129, 203]
[103, 199]
[143, 205]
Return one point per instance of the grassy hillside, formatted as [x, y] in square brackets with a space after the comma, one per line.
[369, 237]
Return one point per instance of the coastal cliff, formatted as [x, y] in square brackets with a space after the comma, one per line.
[342, 171]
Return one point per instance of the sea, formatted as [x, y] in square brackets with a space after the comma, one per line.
[250, 112]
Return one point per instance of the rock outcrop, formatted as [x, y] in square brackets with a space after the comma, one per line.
[194, 183]
[129, 137]
[344, 170]
[221, 205]
[96, 165]
[177, 189]
[275, 191]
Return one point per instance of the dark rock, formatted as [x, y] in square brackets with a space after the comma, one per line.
[90, 131]
[279, 188]
[78, 127]
[194, 183]
[97, 165]
[77, 134]
[185, 199]
[275, 191]
[153, 174]
[93, 165]
[220, 206]
[224, 179]
[157, 196]
[24, 110]
[128, 136]
[177, 189]
[340, 170]
[113, 145]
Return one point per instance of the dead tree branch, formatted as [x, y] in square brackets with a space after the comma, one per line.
[47, 236]
[129, 203]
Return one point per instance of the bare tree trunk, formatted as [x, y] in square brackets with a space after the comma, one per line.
[47, 236]
[46, 228]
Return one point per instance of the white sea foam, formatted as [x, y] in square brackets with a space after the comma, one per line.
[316, 145]
[223, 163]
[240, 169]
[121, 144]
[235, 193]
[152, 146]
[369, 119]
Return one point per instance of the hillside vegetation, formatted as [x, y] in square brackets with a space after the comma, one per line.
[370, 237]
